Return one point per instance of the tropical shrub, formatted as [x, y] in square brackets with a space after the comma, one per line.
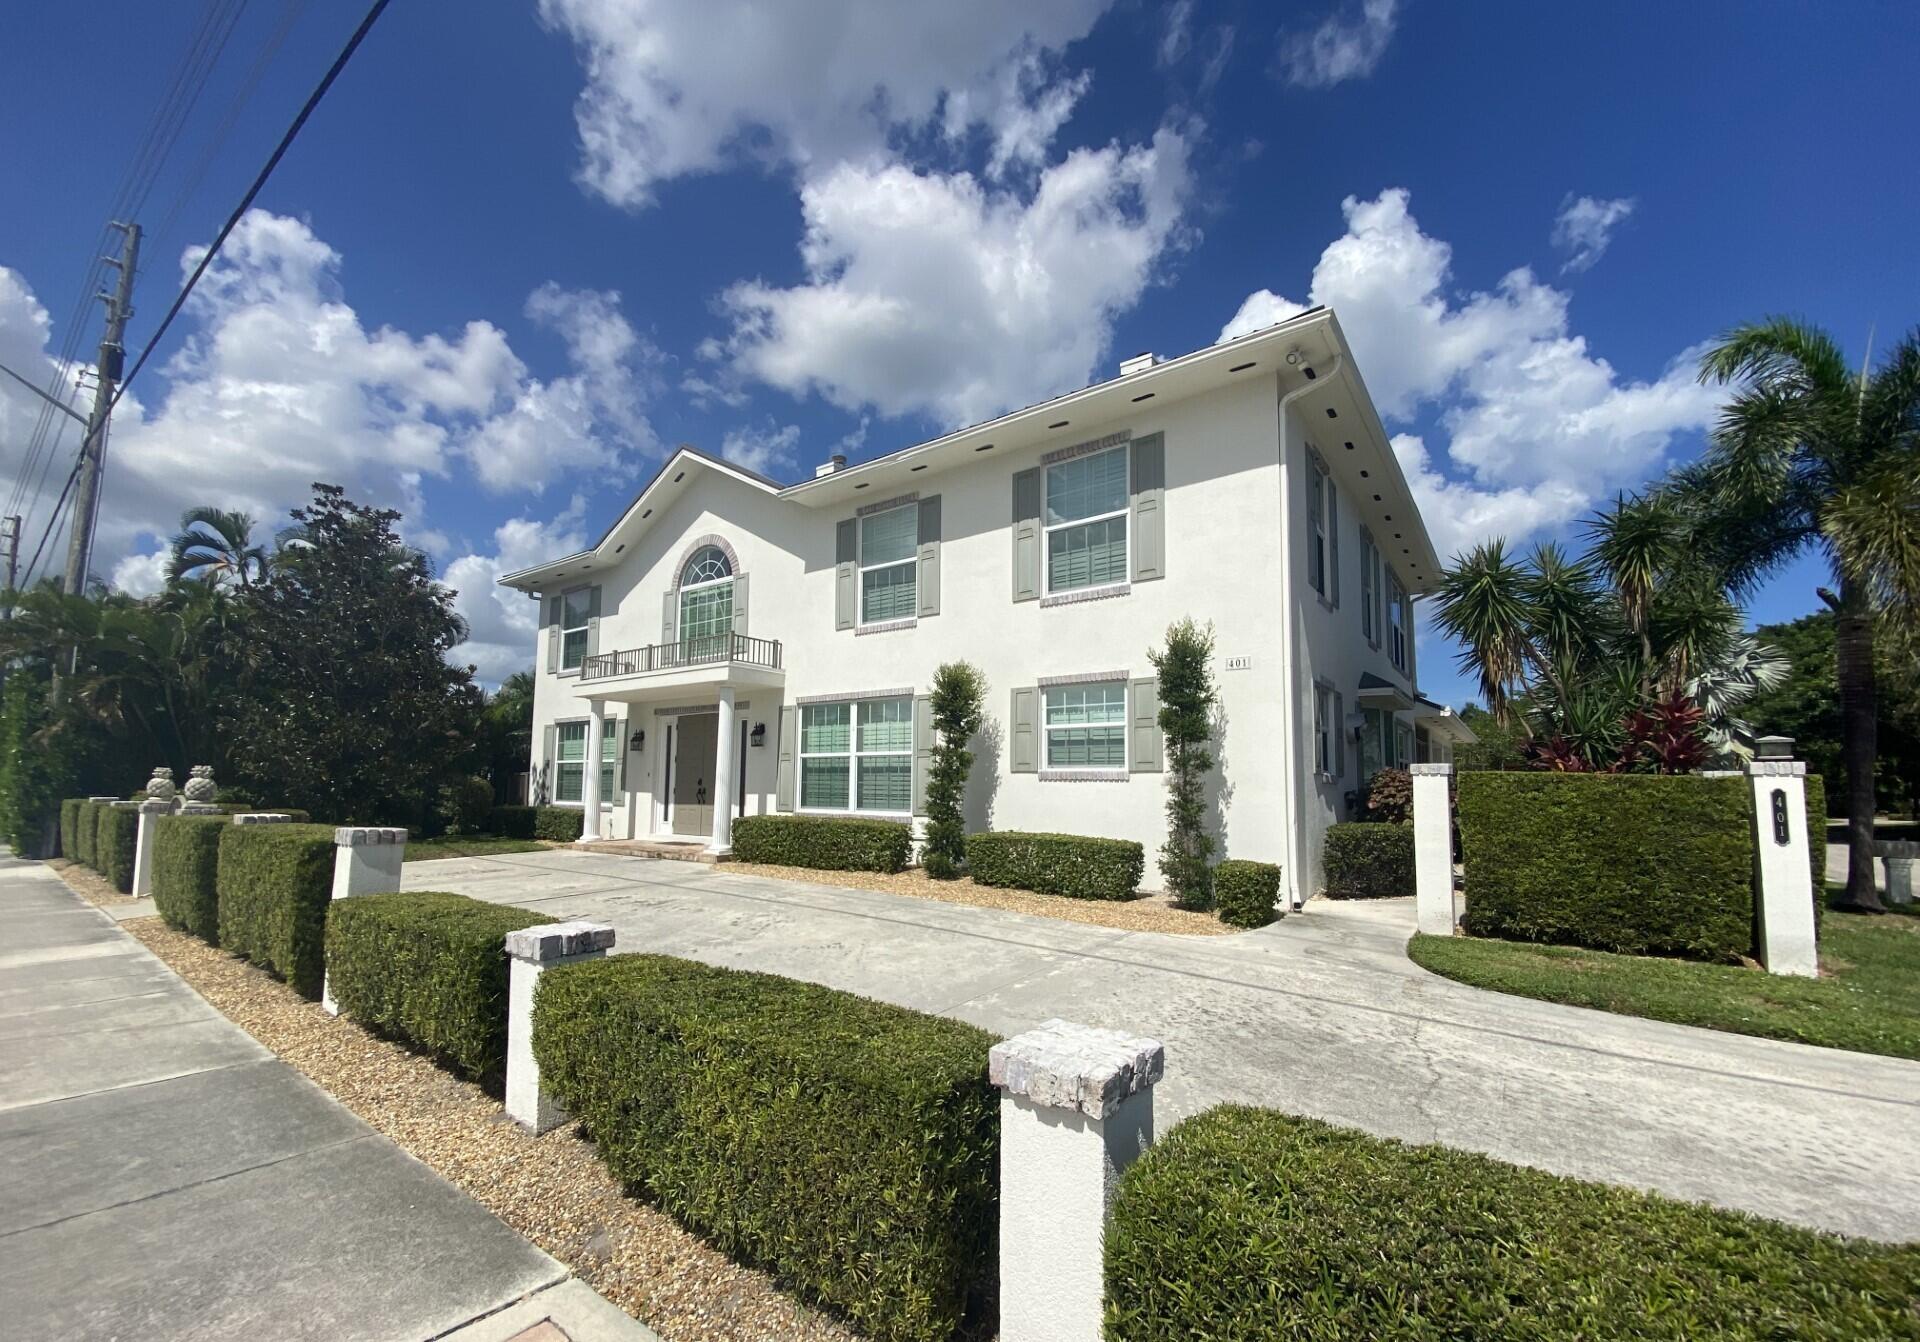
[274, 885]
[825, 842]
[1074, 865]
[1390, 796]
[32, 777]
[186, 872]
[465, 804]
[1363, 861]
[1245, 893]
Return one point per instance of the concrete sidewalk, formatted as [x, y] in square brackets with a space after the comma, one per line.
[1321, 1014]
[162, 1175]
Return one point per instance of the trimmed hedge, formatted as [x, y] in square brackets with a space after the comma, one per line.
[429, 968]
[1360, 860]
[186, 868]
[1245, 892]
[1816, 848]
[561, 824]
[86, 830]
[828, 843]
[848, 1146]
[70, 827]
[113, 846]
[1073, 865]
[1246, 1225]
[1637, 863]
[273, 888]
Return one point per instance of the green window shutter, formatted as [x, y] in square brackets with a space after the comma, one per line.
[1023, 731]
[1149, 508]
[548, 754]
[922, 750]
[1333, 543]
[1026, 534]
[1340, 736]
[846, 574]
[740, 604]
[783, 776]
[928, 574]
[593, 621]
[1146, 749]
[553, 633]
[1407, 619]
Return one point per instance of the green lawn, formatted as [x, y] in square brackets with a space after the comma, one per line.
[1867, 998]
[468, 845]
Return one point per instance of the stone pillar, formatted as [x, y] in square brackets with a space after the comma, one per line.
[150, 813]
[1433, 848]
[532, 951]
[1900, 859]
[590, 771]
[1783, 867]
[366, 861]
[723, 769]
[1076, 1108]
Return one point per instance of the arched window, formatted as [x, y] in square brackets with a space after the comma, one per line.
[709, 564]
[706, 604]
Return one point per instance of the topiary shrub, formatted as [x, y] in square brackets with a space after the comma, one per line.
[957, 705]
[274, 885]
[1188, 701]
[186, 868]
[848, 1146]
[828, 843]
[511, 822]
[431, 969]
[1073, 865]
[114, 846]
[560, 824]
[1636, 863]
[70, 827]
[1255, 1226]
[1245, 892]
[1367, 861]
[464, 804]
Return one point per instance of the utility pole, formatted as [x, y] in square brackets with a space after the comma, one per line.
[111, 364]
[10, 553]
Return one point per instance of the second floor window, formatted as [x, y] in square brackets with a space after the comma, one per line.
[1370, 590]
[576, 609]
[888, 545]
[1396, 622]
[1086, 521]
[1087, 726]
[706, 600]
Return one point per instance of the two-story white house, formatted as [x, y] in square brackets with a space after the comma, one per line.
[734, 646]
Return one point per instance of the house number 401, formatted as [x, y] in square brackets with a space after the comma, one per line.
[1239, 663]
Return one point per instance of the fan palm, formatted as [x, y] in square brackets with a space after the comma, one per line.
[1810, 455]
[216, 545]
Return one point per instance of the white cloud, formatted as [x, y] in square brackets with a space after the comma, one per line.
[141, 574]
[767, 449]
[1584, 227]
[503, 624]
[1347, 44]
[1539, 427]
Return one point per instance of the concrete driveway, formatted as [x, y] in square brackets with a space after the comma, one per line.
[1321, 1014]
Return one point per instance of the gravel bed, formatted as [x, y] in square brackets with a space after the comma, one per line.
[87, 883]
[552, 1189]
[1149, 913]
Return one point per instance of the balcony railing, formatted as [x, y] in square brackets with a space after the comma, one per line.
[707, 650]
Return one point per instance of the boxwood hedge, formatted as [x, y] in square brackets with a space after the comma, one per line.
[828, 843]
[186, 867]
[1367, 861]
[70, 827]
[561, 824]
[86, 830]
[274, 885]
[1636, 863]
[1073, 865]
[429, 968]
[1245, 892]
[113, 845]
[1248, 1224]
[848, 1146]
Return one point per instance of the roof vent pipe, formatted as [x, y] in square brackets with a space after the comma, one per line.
[1139, 363]
[836, 462]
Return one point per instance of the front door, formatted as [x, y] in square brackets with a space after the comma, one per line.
[694, 741]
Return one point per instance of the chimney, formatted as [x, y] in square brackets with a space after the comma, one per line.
[836, 462]
[1139, 363]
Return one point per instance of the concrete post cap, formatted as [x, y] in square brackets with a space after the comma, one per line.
[359, 836]
[103, 799]
[200, 808]
[128, 805]
[1430, 770]
[1777, 768]
[262, 818]
[557, 941]
[1066, 1066]
[1896, 850]
[156, 808]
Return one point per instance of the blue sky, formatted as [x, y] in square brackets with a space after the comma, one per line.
[525, 248]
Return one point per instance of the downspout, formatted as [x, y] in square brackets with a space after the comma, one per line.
[1289, 738]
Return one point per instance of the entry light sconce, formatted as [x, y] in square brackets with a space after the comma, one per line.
[638, 741]
[758, 736]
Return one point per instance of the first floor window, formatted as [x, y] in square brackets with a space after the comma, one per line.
[569, 781]
[857, 756]
[1087, 726]
[1086, 521]
[1323, 729]
[1402, 745]
[889, 543]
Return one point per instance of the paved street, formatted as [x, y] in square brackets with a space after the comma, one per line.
[1321, 1014]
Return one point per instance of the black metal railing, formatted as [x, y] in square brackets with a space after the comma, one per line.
[705, 650]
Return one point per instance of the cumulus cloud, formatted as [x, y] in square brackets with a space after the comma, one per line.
[1584, 227]
[1539, 427]
[766, 449]
[503, 624]
[1347, 44]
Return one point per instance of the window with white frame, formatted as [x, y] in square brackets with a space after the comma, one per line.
[1369, 589]
[1317, 524]
[1087, 726]
[1086, 521]
[1396, 622]
[570, 741]
[1402, 745]
[889, 542]
[706, 601]
[857, 756]
[576, 609]
[1323, 729]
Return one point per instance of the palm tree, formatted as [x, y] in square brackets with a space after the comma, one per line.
[216, 545]
[1810, 455]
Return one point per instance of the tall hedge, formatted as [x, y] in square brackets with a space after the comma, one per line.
[1248, 1225]
[274, 885]
[186, 868]
[1636, 863]
[86, 828]
[1817, 842]
[848, 1146]
[70, 827]
[826, 843]
[114, 846]
[1359, 860]
[1074, 865]
[430, 968]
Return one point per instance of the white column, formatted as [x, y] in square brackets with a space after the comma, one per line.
[1076, 1108]
[150, 813]
[590, 771]
[366, 861]
[1433, 848]
[532, 951]
[1785, 896]
[723, 767]
[1900, 858]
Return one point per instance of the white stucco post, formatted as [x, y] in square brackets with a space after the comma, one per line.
[723, 752]
[1783, 867]
[1900, 858]
[532, 951]
[1433, 848]
[590, 772]
[150, 813]
[366, 861]
[1076, 1108]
